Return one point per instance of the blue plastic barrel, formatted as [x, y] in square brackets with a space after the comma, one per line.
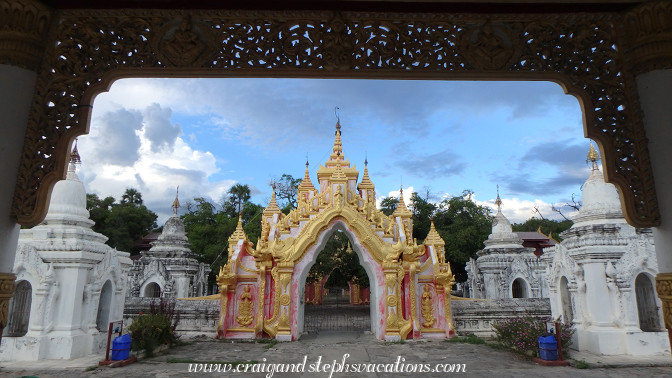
[548, 348]
[121, 347]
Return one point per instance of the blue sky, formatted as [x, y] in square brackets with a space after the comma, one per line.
[207, 134]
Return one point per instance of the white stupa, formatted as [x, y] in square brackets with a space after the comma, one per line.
[505, 268]
[601, 276]
[70, 284]
[169, 268]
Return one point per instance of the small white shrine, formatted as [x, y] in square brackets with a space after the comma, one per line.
[505, 268]
[69, 283]
[601, 277]
[169, 269]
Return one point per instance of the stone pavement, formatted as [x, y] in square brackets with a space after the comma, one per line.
[478, 360]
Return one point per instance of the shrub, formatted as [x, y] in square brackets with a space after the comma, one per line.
[156, 328]
[522, 334]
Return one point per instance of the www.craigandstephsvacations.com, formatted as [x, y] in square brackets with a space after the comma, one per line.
[326, 367]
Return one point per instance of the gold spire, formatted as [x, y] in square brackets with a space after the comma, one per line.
[348, 250]
[366, 181]
[401, 209]
[337, 151]
[239, 233]
[306, 185]
[433, 237]
[498, 201]
[272, 207]
[593, 157]
[176, 203]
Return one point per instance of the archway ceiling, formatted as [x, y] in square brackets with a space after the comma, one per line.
[592, 50]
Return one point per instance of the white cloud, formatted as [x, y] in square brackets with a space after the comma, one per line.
[518, 211]
[116, 134]
[158, 129]
[395, 194]
[156, 172]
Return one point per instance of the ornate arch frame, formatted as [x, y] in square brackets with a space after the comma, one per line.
[367, 258]
[593, 55]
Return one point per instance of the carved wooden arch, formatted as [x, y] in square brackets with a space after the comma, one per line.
[594, 56]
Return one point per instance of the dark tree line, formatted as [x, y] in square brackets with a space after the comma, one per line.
[463, 224]
[124, 222]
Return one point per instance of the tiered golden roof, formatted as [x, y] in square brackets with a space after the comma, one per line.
[366, 181]
[337, 160]
[337, 152]
[433, 237]
[306, 185]
[239, 233]
[272, 207]
[401, 209]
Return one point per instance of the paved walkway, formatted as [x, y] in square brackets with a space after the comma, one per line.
[478, 360]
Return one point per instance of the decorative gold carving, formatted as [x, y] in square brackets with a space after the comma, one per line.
[664, 290]
[23, 32]
[427, 308]
[647, 35]
[583, 51]
[6, 292]
[285, 300]
[245, 317]
[226, 280]
[355, 294]
[391, 301]
[260, 297]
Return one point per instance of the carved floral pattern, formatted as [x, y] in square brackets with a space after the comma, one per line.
[581, 51]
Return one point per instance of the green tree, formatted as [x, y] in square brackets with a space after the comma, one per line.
[131, 197]
[123, 223]
[388, 205]
[464, 226]
[335, 259]
[423, 211]
[207, 229]
[236, 197]
[286, 190]
[546, 226]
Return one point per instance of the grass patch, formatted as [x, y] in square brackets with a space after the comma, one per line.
[468, 339]
[92, 368]
[270, 343]
[402, 341]
[582, 365]
[193, 361]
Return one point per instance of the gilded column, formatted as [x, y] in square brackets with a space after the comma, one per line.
[285, 271]
[393, 317]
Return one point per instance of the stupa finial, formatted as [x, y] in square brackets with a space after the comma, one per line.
[176, 203]
[498, 201]
[74, 155]
[337, 152]
[593, 157]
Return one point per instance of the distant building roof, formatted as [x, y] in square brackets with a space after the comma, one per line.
[536, 240]
[145, 243]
